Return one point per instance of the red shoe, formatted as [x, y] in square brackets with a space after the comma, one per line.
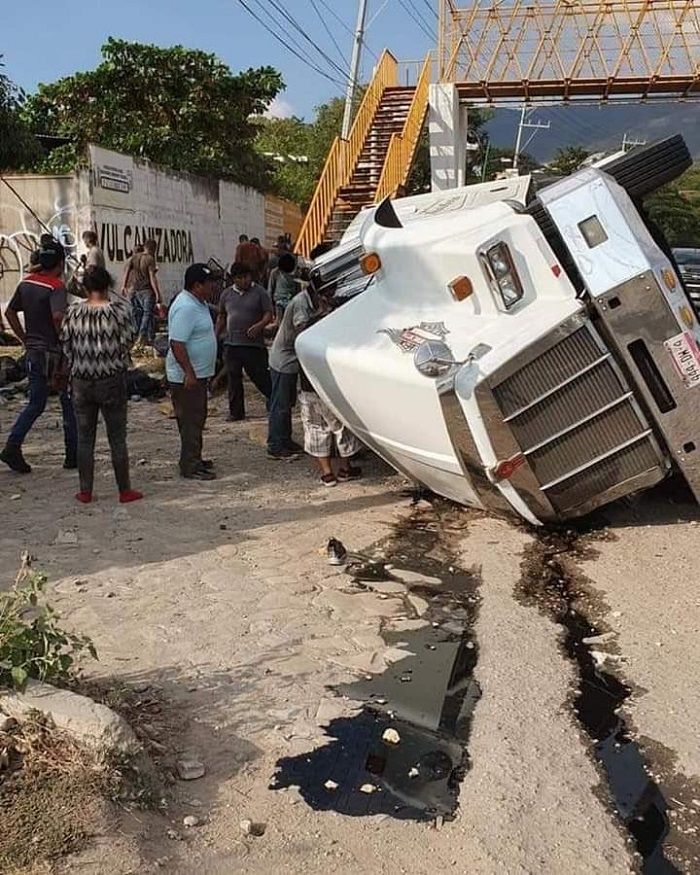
[84, 497]
[129, 495]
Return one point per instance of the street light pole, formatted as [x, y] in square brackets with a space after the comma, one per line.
[354, 66]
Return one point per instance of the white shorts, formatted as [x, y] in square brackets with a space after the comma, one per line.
[321, 426]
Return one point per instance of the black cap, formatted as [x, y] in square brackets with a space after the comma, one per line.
[197, 273]
[51, 253]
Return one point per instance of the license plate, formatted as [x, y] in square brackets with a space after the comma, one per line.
[686, 357]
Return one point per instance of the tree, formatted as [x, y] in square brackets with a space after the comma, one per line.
[568, 160]
[289, 138]
[18, 148]
[676, 215]
[181, 108]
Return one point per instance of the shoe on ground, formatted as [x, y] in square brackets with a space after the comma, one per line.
[235, 419]
[207, 464]
[199, 474]
[283, 454]
[129, 495]
[336, 552]
[70, 463]
[349, 473]
[329, 480]
[295, 447]
[13, 458]
[84, 497]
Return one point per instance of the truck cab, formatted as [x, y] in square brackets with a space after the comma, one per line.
[522, 351]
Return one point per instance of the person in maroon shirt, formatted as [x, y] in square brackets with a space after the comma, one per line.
[42, 298]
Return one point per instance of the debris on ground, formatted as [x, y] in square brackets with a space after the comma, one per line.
[336, 552]
[253, 828]
[190, 769]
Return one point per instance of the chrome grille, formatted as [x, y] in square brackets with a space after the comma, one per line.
[574, 417]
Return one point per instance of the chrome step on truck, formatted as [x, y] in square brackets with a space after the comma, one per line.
[522, 351]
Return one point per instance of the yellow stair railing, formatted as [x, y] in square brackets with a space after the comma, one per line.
[402, 147]
[343, 156]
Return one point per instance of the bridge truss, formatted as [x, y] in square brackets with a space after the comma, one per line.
[566, 50]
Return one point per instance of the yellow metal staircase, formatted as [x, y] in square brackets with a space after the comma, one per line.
[376, 159]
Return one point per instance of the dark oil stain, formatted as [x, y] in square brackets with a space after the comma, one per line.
[548, 583]
[427, 698]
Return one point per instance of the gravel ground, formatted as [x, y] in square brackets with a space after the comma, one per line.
[216, 595]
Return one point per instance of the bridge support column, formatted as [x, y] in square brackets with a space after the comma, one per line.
[447, 122]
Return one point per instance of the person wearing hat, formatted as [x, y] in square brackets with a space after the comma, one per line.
[42, 298]
[189, 365]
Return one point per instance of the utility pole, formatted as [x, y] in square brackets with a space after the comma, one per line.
[354, 66]
[537, 126]
[629, 143]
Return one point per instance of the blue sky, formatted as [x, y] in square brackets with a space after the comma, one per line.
[44, 40]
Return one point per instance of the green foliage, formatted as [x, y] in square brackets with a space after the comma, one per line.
[18, 148]
[32, 643]
[568, 160]
[181, 108]
[676, 215]
[285, 137]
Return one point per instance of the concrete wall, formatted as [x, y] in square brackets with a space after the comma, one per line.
[127, 201]
[447, 124]
[192, 218]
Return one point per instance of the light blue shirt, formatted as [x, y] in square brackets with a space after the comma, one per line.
[190, 322]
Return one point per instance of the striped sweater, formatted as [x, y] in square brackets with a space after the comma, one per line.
[96, 340]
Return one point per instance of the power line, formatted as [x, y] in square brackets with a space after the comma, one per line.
[346, 27]
[289, 48]
[327, 29]
[431, 8]
[417, 19]
[295, 24]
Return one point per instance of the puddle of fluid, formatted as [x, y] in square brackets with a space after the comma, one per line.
[637, 798]
[427, 698]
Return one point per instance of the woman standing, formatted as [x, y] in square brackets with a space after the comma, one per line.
[97, 334]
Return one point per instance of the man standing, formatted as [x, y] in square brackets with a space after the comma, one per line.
[95, 256]
[284, 369]
[42, 298]
[189, 365]
[141, 281]
[283, 285]
[244, 311]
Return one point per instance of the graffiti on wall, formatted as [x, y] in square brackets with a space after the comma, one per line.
[17, 246]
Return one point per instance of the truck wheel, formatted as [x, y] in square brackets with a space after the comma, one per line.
[645, 169]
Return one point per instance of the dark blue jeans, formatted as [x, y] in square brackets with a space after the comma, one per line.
[143, 304]
[282, 399]
[38, 371]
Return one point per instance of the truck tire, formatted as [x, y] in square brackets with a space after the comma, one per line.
[645, 169]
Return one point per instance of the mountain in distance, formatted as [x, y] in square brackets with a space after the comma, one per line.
[598, 128]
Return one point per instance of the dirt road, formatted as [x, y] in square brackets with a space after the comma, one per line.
[216, 596]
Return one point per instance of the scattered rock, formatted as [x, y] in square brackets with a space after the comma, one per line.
[173, 834]
[413, 772]
[368, 788]
[66, 539]
[6, 723]
[15, 497]
[438, 822]
[92, 723]
[251, 828]
[419, 605]
[330, 785]
[110, 595]
[414, 578]
[391, 736]
[190, 769]
[600, 639]
[191, 821]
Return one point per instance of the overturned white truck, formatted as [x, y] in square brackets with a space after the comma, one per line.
[522, 351]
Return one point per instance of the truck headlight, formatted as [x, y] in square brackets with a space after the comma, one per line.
[500, 271]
